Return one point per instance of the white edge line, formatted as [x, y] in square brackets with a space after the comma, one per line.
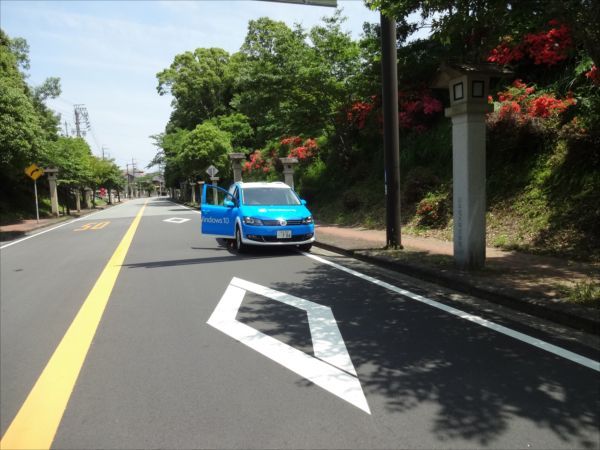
[185, 206]
[559, 351]
[58, 226]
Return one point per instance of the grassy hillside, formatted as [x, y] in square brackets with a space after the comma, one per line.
[543, 189]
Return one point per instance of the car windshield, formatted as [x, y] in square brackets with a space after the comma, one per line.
[270, 196]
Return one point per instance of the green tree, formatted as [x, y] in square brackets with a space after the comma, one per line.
[21, 134]
[238, 127]
[203, 146]
[201, 85]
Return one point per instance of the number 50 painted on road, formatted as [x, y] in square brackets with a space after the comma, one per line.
[92, 226]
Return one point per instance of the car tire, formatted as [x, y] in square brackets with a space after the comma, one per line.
[240, 247]
[305, 247]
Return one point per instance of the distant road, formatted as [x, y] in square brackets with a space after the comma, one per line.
[129, 329]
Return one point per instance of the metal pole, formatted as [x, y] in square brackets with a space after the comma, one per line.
[391, 137]
[37, 211]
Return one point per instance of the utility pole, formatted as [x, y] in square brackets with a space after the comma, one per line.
[391, 135]
[81, 119]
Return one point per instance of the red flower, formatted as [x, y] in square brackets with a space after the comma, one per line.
[431, 105]
[544, 48]
[358, 113]
[509, 109]
[593, 75]
[546, 105]
[505, 54]
[551, 47]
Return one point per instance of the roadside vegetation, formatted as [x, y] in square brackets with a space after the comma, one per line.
[29, 133]
[315, 95]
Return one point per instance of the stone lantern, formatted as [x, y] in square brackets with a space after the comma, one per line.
[288, 170]
[236, 165]
[469, 87]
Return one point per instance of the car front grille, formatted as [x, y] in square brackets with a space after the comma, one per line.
[275, 223]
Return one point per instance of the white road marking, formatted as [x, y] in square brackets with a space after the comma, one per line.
[53, 228]
[185, 206]
[331, 368]
[558, 351]
[176, 220]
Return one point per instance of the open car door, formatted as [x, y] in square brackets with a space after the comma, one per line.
[219, 211]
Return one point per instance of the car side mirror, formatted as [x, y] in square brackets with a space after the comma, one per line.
[303, 202]
[228, 203]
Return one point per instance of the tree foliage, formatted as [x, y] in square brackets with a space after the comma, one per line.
[29, 134]
[201, 85]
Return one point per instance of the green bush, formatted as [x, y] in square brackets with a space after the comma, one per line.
[433, 210]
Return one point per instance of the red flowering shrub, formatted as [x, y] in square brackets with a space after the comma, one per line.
[359, 112]
[293, 140]
[505, 54]
[521, 103]
[432, 211]
[551, 47]
[295, 148]
[257, 164]
[593, 75]
[415, 108]
[509, 108]
[544, 48]
[546, 105]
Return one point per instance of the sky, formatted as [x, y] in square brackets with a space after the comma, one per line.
[107, 55]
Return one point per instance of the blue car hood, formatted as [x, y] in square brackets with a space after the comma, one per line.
[275, 212]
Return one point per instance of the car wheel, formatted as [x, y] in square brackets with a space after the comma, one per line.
[305, 247]
[239, 245]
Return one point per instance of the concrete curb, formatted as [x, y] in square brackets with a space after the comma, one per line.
[573, 316]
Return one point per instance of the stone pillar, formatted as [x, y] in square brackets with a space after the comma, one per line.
[236, 165]
[288, 170]
[193, 187]
[87, 198]
[78, 200]
[52, 174]
[468, 175]
[215, 180]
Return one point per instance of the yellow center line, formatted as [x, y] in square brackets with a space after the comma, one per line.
[36, 423]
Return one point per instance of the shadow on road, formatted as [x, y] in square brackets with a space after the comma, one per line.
[410, 354]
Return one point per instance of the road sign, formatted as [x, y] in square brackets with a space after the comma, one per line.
[212, 171]
[330, 368]
[34, 172]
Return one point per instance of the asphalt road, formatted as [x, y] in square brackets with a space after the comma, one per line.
[300, 351]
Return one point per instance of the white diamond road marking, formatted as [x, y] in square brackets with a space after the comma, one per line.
[177, 220]
[330, 368]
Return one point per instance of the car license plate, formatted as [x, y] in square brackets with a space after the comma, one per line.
[284, 234]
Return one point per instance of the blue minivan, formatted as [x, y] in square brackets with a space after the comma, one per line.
[257, 213]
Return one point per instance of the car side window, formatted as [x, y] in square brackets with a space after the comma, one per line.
[216, 196]
[236, 195]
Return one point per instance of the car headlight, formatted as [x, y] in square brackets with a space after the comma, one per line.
[307, 220]
[252, 221]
